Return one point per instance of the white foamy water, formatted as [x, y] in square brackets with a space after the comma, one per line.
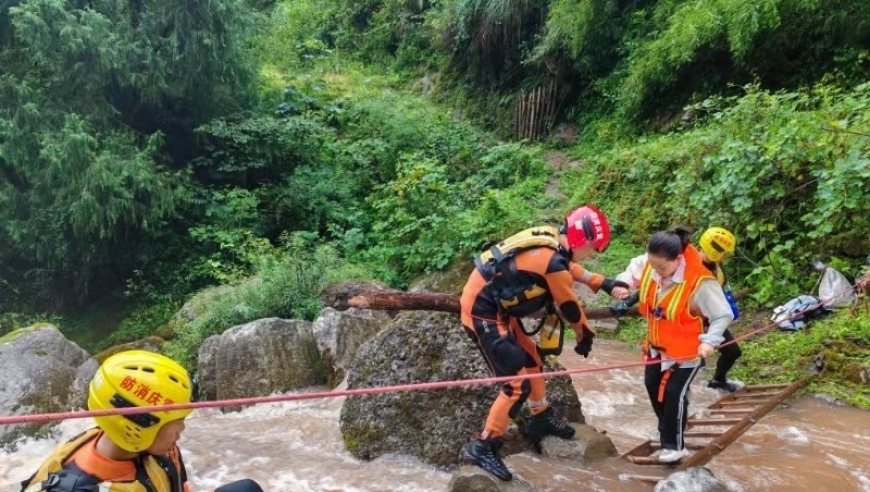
[808, 445]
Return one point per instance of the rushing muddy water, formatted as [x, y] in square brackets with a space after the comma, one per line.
[806, 445]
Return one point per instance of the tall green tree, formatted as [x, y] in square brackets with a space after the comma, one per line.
[99, 101]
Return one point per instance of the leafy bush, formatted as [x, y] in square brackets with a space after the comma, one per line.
[785, 171]
[286, 286]
[843, 340]
[424, 220]
[143, 322]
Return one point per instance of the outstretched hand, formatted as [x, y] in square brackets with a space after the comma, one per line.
[620, 293]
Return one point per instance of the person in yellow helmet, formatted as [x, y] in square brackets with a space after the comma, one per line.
[128, 453]
[716, 244]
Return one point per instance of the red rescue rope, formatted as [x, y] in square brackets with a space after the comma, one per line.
[81, 414]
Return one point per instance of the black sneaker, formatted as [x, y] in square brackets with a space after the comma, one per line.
[547, 423]
[484, 453]
[723, 385]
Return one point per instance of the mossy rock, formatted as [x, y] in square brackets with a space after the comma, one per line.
[434, 425]
[43, 372]
[151, 344]
[167, 331]
[450, 281]
[856, 372]
[14, 334]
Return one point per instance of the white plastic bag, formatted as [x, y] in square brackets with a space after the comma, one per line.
[835, 291]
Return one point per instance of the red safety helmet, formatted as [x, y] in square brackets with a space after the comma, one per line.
[587, 225]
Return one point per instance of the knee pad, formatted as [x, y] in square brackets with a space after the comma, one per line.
[525, 390]
[508, 356]
[246, 485]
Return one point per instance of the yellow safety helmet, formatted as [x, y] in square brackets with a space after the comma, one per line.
[716, 242]
[137, 378]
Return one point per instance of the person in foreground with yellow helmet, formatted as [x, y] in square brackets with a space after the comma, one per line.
[128, 453]
[716, 244]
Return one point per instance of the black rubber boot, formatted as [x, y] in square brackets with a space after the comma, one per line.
[485, 454]
[547, 423]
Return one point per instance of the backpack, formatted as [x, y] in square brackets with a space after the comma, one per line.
[787, 318]
[511, 292]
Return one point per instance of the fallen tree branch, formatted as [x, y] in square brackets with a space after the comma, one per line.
[398, 300]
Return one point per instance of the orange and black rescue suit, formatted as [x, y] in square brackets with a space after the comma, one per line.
[539, 276]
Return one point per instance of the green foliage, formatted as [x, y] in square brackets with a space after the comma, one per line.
[586, 31]
[224, 247]
[688, 28]
[11, 321]
[780, 170]
[97, 108]
[227, 233]
[142, 322]
[287, 286]
[296, 34]
[778, 357]
[424, 220]
[258, 150]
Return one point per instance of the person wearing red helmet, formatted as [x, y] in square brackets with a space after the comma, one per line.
[507, 285]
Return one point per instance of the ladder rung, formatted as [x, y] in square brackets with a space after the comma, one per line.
[740, 402]
[732, 410]
[647, 478]
[757, 395]
[644, 460]
[698, 422]
[766, 386]
[702, 434]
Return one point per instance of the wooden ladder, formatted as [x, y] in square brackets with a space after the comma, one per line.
[707, 437]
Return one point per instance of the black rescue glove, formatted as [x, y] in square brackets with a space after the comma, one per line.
[622, 307]
[585, 345]
[609, 284]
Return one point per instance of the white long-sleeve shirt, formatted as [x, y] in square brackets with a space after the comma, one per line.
[708, 299]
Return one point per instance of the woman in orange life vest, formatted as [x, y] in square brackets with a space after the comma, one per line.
[537, 277]
[677, 294]
[133, 453]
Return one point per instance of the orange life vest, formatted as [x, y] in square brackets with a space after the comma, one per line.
[673, 328]
[154, 473]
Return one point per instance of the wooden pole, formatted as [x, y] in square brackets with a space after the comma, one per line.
[717, 445]
[399, 300]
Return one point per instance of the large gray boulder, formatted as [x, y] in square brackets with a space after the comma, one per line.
[695, 479]
[200, 303]
[432, 425]
[41, 372]
[260, 358]
[473, 479]
[339, 334]
[588, 445]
